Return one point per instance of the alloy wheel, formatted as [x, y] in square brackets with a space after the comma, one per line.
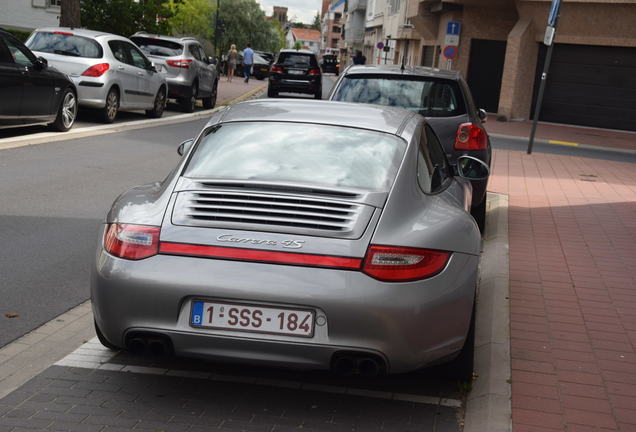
[111, 105]
[69, 109]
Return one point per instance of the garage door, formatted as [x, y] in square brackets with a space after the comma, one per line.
[590, 86]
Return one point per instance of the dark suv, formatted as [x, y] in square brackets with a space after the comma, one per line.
[442, 96]
[295, 71]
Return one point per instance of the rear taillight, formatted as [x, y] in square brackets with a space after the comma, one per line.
[184, 63]
[470, 137]
[401, 264]
[276, 69]
[133, 242]
[314, 71]
[96, 70]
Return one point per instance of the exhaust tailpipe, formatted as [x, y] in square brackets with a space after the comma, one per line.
[368, 367]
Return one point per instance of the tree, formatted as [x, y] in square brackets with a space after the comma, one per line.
[70, 13]
[125, 17]
[316, 25]
[243, 22]
[191, 17]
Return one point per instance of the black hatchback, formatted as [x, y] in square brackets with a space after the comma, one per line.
[31, 92]
[295, 71]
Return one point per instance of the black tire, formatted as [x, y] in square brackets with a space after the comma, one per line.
[159, 105]
[271, 92]
[209, 102]
[479, 214]
[67, 112]
[103, 340]
[188, 104]
[464, 364]
[109, 112]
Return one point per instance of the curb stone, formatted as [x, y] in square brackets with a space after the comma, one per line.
[488, 405]
[561, 144]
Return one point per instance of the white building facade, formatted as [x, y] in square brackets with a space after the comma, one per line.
[27, 15]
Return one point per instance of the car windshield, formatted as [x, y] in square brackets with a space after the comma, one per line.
[65, 43]
[294, 59]
[430, 97]
[158, 47]
[298, 152]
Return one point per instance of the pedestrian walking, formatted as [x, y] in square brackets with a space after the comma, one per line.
[232, 56]
[248, 61]
[359, 59]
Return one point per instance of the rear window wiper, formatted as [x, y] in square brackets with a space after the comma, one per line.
[66, 53]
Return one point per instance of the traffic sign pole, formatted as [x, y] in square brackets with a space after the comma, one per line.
[553, 20]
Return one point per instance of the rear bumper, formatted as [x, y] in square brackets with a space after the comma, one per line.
[426, 322]
[179, 90]
[91, 92]
[294, 86]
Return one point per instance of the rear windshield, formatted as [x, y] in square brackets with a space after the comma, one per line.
[158, 47]
[297, 59]
[64, 43]
[430, 97]
[298, 152]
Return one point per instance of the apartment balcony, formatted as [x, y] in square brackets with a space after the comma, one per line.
[356, 5]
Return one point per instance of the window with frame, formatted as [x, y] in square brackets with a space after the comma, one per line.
[433, 172]
[138, 59]
[394, 6]
[18, 54]
[54, 3]
[194, 50]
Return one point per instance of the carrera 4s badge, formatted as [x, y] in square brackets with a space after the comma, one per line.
[289, 244]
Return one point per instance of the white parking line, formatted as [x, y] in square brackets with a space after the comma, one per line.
[92, 355]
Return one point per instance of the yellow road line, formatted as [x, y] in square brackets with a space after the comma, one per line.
[565, 143]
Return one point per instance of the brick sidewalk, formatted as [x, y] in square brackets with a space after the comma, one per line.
[572, 291]
[229, 91]
[612, 139]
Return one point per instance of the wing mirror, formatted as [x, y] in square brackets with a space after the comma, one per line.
[212, 61]
[483, 116]
[41, 63]
[184, 147]
[471, 168]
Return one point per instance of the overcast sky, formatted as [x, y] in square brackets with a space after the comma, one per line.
[303, 9]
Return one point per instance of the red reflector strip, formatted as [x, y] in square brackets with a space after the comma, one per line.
[63, 33]
[260, 256]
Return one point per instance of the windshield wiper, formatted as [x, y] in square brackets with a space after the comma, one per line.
[66, 53]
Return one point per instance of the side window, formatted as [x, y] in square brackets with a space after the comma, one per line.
[432, 167]
[5, 56]
[18, 53]
[138, 59]
[194, 51]
[119, 51]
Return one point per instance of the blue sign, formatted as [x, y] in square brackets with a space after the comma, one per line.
[554, 12]
[453, 28]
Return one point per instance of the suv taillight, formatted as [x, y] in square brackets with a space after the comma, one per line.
[402, 264]
[276, 69]
[133, 242]
[96, 70]
[470, 137]
[183, 64]
[314, 71]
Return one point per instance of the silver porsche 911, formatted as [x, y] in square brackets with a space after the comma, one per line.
[303, 234]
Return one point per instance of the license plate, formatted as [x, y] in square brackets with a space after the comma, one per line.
[252, 318]
[296, 72]
[264, 69]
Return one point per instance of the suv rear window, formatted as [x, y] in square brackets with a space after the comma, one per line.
[65, 44]
[158, 47]
[297, 59]
[431, 97]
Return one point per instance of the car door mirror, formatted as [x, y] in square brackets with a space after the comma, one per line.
[471, 168]
[41, 63]
[184, 147]
[212, 61]
[483, 116]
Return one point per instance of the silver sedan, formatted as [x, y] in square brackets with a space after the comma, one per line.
[307, 234]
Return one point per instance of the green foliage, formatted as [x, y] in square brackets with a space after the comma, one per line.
[125, 17]
[191, 17]
[316, 24]
[298, 45]
[243, 22]
[21, 35]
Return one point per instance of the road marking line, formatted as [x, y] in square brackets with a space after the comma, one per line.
[565, 143]
[79, 359]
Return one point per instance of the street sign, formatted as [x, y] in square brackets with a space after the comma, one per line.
[386, 48]
[549, 35]
[453, 28]
[450, 52]
[451, 40]
[380, 45]
[554, 13]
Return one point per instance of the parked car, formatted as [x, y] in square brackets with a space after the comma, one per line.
[295, 71]
[260, 68]
[191, 74]
[109, 71]
[330, 64]
[32, 92]
[442, 96]
[268, 56]
[317, 235]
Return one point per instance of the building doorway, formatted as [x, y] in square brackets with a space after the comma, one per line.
[485, 69]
